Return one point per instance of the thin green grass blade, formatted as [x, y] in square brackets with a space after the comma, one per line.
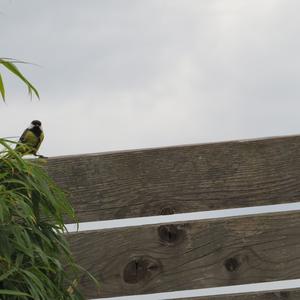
[2, 89]
[14, 293]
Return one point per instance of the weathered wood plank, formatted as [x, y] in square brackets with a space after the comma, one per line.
[191, 255]
[180, 179]
[276, 295]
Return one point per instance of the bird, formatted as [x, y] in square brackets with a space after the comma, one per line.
[31, 139]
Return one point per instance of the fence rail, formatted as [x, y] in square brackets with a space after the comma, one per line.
[190, 255]
[277, 295]
[194, 254]
[181, 179]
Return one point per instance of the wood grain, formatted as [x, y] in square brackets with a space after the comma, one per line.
[180, 179]
[276, 295]
[190, 255]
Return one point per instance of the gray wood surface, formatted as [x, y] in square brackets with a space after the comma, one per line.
[276, 295]
[190, 255]
[180, 179]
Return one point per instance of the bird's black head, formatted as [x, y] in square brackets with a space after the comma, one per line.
[36, 123]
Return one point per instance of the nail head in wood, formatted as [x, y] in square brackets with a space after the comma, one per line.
[167, 211]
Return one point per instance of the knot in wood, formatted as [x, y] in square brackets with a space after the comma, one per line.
[167, 211]
[170, 234]
[284, 295]
[140, 269]
[232, 264]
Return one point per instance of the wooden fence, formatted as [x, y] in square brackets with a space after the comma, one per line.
[192, 254]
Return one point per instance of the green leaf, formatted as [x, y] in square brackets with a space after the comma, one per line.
[7, 274]
[2, 89]
[13, 69]
[14, 293]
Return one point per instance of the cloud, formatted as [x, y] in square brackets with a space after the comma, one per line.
[129, 74]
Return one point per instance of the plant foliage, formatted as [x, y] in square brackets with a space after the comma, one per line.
[10, 65]
[34, 254]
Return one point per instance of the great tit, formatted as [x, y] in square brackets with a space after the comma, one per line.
[31, 139]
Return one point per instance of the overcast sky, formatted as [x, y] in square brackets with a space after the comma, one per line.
[119, 74]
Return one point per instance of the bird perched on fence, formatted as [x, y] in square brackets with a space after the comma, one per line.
[31, 139]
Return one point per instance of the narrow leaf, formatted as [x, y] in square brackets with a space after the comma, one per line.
[2, 89]
[13, 293]
[12, 68]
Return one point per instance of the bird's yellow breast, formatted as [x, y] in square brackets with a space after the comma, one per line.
[30, 139]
